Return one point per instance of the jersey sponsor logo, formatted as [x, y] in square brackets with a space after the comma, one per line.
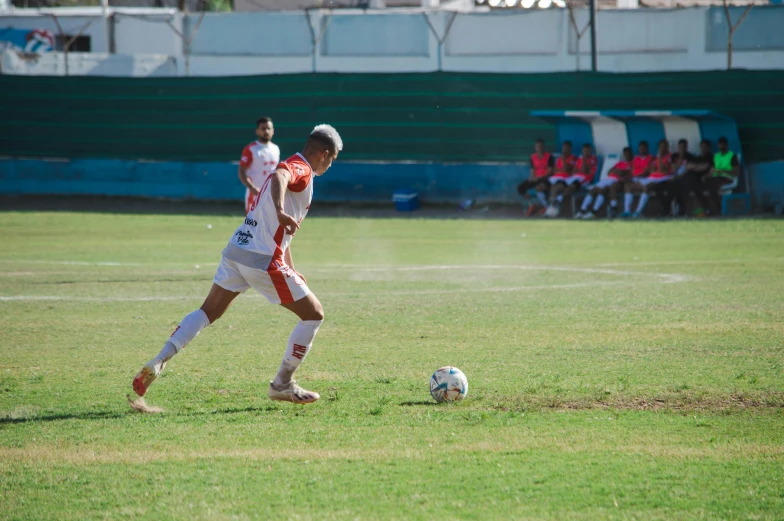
[251, 222]
[299, 170]
[243, 237]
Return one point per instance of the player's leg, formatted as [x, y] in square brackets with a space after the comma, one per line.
[556, 197]
[282, 285]
[592, 193]
[216, 303]
[647, 184]
[628, 197]
[614, 189]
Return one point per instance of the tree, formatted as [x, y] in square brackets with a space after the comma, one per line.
[732, 28]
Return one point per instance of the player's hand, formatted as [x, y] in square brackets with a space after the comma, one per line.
[254, 191]
[289, 224]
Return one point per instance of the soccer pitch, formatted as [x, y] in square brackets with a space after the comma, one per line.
[617, 370]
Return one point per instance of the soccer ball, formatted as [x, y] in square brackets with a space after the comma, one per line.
[448, 384]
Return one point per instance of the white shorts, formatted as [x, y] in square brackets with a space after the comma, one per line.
[606, 183]
[645, 181]
[279, 283]
[568, 180]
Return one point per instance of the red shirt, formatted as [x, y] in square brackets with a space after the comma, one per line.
[562, 163]
[620, 165]
[541, 164]
[592, 162]
[640, 165]
[662, 166]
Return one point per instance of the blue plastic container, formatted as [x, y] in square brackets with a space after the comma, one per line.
[405, 200]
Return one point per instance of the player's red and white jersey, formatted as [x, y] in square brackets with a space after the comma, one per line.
[261, 239]
[260, 160]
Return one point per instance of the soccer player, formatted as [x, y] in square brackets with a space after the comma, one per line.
[582, 174]
[660, 171]
[620, 172]
[640, 168]
[541, 169]
[680, 169]
[726, 168]
[258, 256]
[259, 159]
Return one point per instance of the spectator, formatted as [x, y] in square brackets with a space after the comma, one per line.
[640, 169]
[691, 181]
[542, 164]
[583, 173]
[620, 172]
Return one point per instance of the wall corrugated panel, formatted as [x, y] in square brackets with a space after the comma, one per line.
[438, 116]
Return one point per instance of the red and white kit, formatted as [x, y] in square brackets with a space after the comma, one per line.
[561, 175]
[254, 255]
[260, 160]
[614, 177]
[662, 171]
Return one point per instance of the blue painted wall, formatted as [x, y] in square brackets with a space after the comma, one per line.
[344, 182]
[767, 185]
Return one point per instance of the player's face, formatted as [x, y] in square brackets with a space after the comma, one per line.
[705, 149]
[663, 148]
[566, 149]
[723, 147]
[683, 148]
[265, 131]
[643, 149]
[539, 148]
[325, 161]
[627, 155]
[587, 151]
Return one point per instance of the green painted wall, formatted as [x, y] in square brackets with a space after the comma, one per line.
[436, 116]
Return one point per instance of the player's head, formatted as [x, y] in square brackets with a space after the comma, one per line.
[705, 147]
[587, 150]
[683, 146]
[664, 146]
[323, 146]
[642, 148]
[566, 148]
[628, 155]
[264, 129]
[539, 146]
[724, 145]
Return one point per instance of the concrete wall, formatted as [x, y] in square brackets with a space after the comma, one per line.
[418, 41]
[345, 181]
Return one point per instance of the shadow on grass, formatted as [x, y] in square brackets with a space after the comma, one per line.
[103, 415]
[419, 402]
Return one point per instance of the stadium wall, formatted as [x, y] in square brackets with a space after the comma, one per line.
[363, 41]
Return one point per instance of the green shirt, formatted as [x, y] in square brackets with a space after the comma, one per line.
[723, 163]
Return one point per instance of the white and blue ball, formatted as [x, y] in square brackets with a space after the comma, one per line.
[448, 384]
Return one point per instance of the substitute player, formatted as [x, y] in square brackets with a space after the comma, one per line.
[258, 256]
[582, 174]
[620, 172]
[259, 159]
[659, 171]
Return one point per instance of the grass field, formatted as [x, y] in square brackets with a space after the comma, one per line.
[617, 371]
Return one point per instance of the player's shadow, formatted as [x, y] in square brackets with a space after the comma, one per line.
[90, 415]
[417, 403]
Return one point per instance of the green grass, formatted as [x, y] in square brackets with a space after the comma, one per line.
[617, 371]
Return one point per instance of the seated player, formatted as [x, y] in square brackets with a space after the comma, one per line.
[620, 172]
[564, 165]
[726, 168]
[691, 181]
[680, 168]
[640, 169]
[542, 164]
[660, 172]
[582, 174]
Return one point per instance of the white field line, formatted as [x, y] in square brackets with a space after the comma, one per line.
[662, 278]
[690, 262]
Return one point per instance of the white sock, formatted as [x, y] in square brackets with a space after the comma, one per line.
[628, 199]
[599, 202]
[558, 198]
[614, 203]
[587, 202]
[542, 198]
[300, 342]
[190, 326]
[167, 353]
[642, 203]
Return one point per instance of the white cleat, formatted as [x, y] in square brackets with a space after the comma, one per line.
[587, 216]
[147, 375]
[292, 393]
[552, 211]
[579, 215]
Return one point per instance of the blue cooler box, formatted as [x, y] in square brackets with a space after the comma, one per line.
[405, 200]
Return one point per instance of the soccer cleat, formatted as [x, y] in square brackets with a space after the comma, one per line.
[587, 216]
[625, 215]
[292, 393]
[580, 215]
[636, 215]
[532, 210]
[147, 375]
[552, 211]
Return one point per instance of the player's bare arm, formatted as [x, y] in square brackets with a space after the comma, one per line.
[281, 179]
[242, 173]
